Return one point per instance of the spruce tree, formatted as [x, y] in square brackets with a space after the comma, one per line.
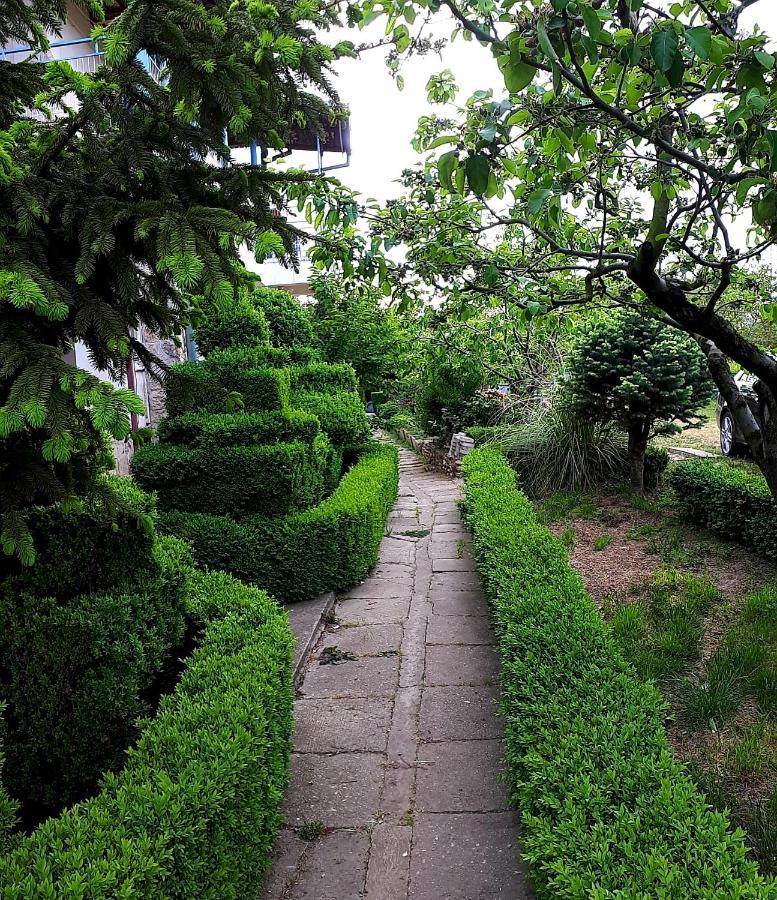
[643, 375]
[118, 201]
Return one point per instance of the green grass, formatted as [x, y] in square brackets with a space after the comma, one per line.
[660, 633]
[565, 505]
[602, 542]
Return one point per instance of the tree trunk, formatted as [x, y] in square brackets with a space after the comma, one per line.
[638, 432]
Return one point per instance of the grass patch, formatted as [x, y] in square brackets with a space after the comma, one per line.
[602, 542]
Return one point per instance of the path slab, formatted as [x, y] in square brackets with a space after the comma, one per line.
[341, 790]
[363, 640]
[329, 726]
[461, 776]
[398, 749]
[466, 856]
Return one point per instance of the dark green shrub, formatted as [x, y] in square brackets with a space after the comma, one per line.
[239, 429]
[289, 322]
[483, 434]
[730, 500]
[197, 387]
[329, 547]
[605, 809]
[341, 415]
[104, 541]
[235, 323]
[270, 480]
[323, 378]
[73, 671]
[7, 806]
[261, 358]
[656, 461]
[194, 812]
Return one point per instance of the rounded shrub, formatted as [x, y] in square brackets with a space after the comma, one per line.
[234, 323]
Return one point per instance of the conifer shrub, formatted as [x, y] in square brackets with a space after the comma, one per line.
[270, 479]
[729, 499]
[605, 809]
[195, 810]
[341, 415]
[331, 546]
[74, 670]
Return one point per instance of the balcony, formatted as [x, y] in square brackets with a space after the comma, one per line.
[83, 54]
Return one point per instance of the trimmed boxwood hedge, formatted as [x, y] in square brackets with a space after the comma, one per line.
[194, 812]
[269, 480]
[199, 387]
[239, 429]
[341, 415]
[323, 378]
[331, 546]
[606, 810]
[730, 500]
[74, 671]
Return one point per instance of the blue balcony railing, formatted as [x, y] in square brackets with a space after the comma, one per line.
[83, 54]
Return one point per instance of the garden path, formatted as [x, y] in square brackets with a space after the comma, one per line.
[395, 770]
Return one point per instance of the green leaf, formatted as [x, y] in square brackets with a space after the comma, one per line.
[592, 22]
[445, 166]
[517, 74]
[765, 208]
[545, 44]
[766, 59]
[478, 171]
[699, 40]
[537, 200]
[663, 49]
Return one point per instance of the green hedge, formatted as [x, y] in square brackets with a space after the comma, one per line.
[73, 673]
[194, 812]
[605, 809]
[270, 480]
[115, 537]
[261, 358]
[730, 500]
[199, 387]
[210, 430]
[323, 378]
[341, 415]
[236, 322]
[329, 547]
[656, 462]
[7, 806]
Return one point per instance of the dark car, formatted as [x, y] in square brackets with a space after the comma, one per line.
[732, 441]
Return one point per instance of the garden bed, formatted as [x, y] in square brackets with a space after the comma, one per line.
[676, 597]
[603, 802]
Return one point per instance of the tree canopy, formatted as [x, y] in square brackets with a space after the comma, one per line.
[119, 200]
[631, 143]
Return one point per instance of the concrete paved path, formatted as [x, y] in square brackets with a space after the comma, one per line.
[395, 771]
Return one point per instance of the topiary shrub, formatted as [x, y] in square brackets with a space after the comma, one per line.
[195, 810]
[341, 415]
[274, 479]
[73, 672]
[234, 323]
[198, 387]
[323, 378]
[331, 546]
[288, 321]
[239, 430]
[605, 809]
[731, 500]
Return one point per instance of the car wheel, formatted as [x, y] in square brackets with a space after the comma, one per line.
[728, 444]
